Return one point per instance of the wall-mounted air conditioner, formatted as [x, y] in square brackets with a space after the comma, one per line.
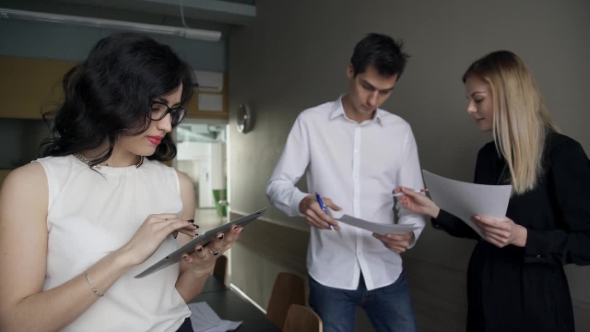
[209, 92]
[209, 81]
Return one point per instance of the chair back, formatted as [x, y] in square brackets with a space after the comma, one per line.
[289, 288]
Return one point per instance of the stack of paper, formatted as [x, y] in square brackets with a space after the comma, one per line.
[381, 229]
[467, 200]
[204, 319]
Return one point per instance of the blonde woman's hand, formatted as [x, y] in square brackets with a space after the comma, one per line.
[501, 232]
[202, 260]
[150, 235]
[417, 202]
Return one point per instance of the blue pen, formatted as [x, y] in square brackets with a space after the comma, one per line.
[323, 207]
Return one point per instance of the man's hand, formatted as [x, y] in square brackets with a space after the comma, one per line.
[314, 214]
[396, 242]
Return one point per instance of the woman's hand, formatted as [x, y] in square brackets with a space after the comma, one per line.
[190, 230]
[148, 238]
[417, 202]
[202, 261]
[501, 232]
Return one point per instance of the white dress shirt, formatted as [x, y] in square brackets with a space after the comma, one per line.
[357, 166]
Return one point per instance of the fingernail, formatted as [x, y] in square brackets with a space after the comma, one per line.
[221, 236]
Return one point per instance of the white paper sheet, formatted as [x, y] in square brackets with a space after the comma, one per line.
[204, 319]
[466, 200]
[373, 227]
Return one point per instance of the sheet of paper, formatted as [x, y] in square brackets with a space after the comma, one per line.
[376, 227]
[466, 200]
[204, 319]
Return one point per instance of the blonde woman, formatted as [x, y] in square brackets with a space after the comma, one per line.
[515, 278]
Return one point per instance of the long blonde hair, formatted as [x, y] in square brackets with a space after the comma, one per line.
[521, 121]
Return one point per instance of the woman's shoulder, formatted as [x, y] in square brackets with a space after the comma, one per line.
[55, 161]
[170, 173]
[29, 172]
[563, 152]
[558, 145]
[157, 166]
[557, 142]
[488, 151]
[27, 181]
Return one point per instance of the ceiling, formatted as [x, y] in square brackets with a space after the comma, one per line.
[219, 15]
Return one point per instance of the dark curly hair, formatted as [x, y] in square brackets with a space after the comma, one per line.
[109, 95]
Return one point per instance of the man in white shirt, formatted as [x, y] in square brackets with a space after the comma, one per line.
[357, 155]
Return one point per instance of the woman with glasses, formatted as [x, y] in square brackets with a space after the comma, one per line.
[77, 225]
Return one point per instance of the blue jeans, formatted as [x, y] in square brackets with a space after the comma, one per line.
[389, 308]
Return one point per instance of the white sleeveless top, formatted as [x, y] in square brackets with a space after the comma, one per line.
[92, 214]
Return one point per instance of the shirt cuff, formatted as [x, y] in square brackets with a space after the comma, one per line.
[415, 239]
[296, 198]
[444, 219]
[542, 247]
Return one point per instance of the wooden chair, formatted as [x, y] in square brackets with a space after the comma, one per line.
[301, 318]
[220, 269]
[288, 289]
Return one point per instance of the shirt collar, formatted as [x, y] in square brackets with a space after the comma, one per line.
[338, 110]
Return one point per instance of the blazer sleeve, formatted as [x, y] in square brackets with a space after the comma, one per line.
[570, 243]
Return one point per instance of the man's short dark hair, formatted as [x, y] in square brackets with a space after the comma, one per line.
[380, 51]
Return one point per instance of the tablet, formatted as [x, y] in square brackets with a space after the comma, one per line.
[202, 239]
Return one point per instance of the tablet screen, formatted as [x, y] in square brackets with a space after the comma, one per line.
[202, 239]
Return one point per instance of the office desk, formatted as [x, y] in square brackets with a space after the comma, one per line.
[230, 305]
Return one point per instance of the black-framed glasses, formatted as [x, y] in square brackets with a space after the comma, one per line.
[160, 110]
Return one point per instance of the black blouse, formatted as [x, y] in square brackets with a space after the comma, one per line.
[514, 288]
